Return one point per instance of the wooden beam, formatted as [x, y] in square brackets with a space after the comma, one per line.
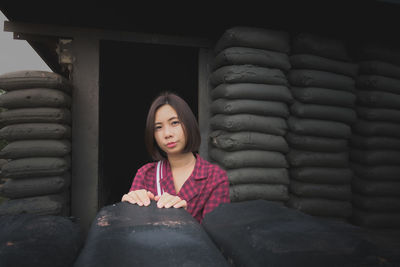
[45, 47]
[85, 131]
[103, 34]
[204, 99]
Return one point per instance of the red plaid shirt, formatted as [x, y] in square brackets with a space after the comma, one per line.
[204, 190]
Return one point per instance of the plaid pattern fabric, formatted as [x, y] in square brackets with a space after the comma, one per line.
[204, 190]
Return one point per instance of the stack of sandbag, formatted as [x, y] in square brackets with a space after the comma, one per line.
[375, 144]
[249, 109]
[36, 125]
[322, 82]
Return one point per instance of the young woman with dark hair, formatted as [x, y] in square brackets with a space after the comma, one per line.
[179, 177]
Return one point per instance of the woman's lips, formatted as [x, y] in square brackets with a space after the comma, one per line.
[171, 145]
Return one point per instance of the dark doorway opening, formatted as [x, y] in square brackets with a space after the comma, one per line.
[131, 75]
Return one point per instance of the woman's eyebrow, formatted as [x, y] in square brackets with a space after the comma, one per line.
[172, 118]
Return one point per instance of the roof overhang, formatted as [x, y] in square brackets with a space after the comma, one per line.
[202, 20]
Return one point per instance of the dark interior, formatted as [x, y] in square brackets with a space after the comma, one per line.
[131, 75]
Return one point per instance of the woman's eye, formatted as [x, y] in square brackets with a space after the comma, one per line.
[157, 128]
[175, 122]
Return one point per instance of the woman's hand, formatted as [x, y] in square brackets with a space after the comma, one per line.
[140, 197]
[166, 201]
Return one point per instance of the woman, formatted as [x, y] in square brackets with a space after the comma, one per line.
[186, 180]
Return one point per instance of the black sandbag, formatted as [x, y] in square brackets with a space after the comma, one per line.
[252, 91]
[309, 43]
[326, 191]
[374, 142]
[377, 173]
[323, 112]
[258, 175]
[35, 97]
[33, 79]
[381, 68]
[314, 62]
[322, 128]
[254, 37]
[248, 122]
[379, 51]
[33, 115]
[378, 83]
[323, 96]
[386, 220]
[123, 234]
[376, 128]
[36, 167]
[41, 205]
[36, 148]
[264, 233]
[375, 188]
[2, 162]
[322, 175]
[315, 143]
[377, 204]
[375, 157]
[249, 106]
[378, 114]
[247, 74]
[252, 56]
[302, 158]
[39, 240]
[378, 99]
[25, 131]
[244, 192]
[35, 186]
[233, 141]
[318, 78]
[248, 158]
[321, 206]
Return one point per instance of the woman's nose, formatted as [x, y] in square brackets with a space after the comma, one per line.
[167, 132]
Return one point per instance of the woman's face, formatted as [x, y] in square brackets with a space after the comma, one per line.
[168, 130]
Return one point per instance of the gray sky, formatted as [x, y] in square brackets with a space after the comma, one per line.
[17, 55]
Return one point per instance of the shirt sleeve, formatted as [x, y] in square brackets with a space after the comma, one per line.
[220, 193]
[139, 179]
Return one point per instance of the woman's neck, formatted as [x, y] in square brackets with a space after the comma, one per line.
[181, 160]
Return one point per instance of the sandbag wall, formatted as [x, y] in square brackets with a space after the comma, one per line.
[36, 125]
[249, 109]
[375, 143]
[323, 86]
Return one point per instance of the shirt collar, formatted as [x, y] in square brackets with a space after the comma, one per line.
[200, 170]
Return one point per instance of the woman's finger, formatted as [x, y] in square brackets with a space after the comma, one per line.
[163, 200]
[124, 198]
[151, 195]
[143, 197]
[181, 204]
[172, 201]
[129, 198]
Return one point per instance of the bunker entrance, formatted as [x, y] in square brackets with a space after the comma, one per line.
[131, 76]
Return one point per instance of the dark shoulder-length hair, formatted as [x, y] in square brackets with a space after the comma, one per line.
[185, 116]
